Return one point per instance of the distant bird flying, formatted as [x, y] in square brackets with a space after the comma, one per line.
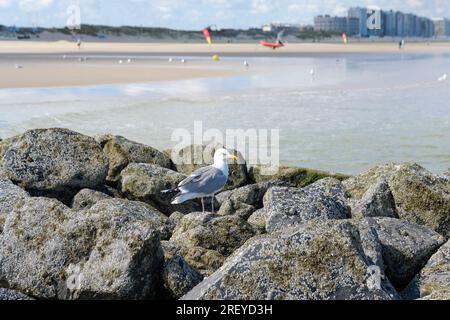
[205, 182]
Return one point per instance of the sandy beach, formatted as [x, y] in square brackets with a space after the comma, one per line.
[41, 64]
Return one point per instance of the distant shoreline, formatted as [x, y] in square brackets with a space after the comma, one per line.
[29, 64]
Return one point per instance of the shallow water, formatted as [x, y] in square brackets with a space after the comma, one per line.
[355, 112]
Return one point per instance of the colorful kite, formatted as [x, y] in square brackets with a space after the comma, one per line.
[207, 36]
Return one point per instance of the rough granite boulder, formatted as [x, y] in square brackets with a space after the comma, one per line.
[179, 278]
[212, 232]
[405, 248]
[319, 260]
[11, 295]
[56, 163]
[145, 182]
[245, 200]
[292, 176]
[192, 157]
[434, 279]
[110, 251]
[206, 262]
[420, 196]
[287, 207]
[86, 198]
[10, 195]
[258, 219]
[378, 201]
[121, 152]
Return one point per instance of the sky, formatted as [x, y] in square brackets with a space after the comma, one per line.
[196, 14]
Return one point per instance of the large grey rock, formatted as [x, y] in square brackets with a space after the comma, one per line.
[205, 261]
[378, 201]
[54, 162]
[286, 207]
[11, 295]
[258, 219]
[292, 176]
[405, 248]
[192, 157]
[245, 200]
[434, 279]
[111, 251]
[10, 195]
[86, 198]
[179, 277]
[420, 196]
[319, 260]
[222, 234]
[121, 152]
[144, 182]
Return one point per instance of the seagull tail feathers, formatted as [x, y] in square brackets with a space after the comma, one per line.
[181, 199]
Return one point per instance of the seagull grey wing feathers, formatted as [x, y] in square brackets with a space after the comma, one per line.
[207, 181]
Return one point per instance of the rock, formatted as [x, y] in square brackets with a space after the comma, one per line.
[222, 234]
[191, 158]
[11, 295]
[86, 198]
[420, 196]
[378, 201]
[206, 262]
[179, 278]
[258, 219]
[319, 260]
[294, 177]
[56, 163]
[245, 200]
[434, 279]
[144, 182]
[405, 247]
[286, 207]
[121, 152]
[10, 195]
[174, 220]
[111, 251]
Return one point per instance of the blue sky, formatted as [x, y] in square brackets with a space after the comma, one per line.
[195, 14]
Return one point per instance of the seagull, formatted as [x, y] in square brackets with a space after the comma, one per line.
[19, 66]
[183, 61]
[443, 78]
[120, 61]
[129, 61]
[246, 64]
[205, 182]
[170, 60]
[312, 72]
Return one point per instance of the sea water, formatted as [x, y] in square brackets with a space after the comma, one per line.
[351, 113]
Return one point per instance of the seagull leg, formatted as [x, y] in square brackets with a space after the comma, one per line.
[203, 205]
[212, 204]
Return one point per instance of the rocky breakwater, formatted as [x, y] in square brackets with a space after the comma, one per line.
[84, 218]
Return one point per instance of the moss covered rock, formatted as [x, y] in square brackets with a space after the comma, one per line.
[86, 198]
[111, 251]
[55, 163]
[10, 195]
[319, 260]
[179, 278]
[293, 176]
[212, 232]
[433, 282]
[121, 152]
[205, 261]
[287, 207]
[405, 248]
[420, 196]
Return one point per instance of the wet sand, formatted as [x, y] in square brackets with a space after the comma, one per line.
[26, 64]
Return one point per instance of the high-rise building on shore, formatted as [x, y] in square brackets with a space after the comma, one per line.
[367, 22]
[441, 27]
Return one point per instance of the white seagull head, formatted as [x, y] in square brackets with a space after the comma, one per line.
[222, 156]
